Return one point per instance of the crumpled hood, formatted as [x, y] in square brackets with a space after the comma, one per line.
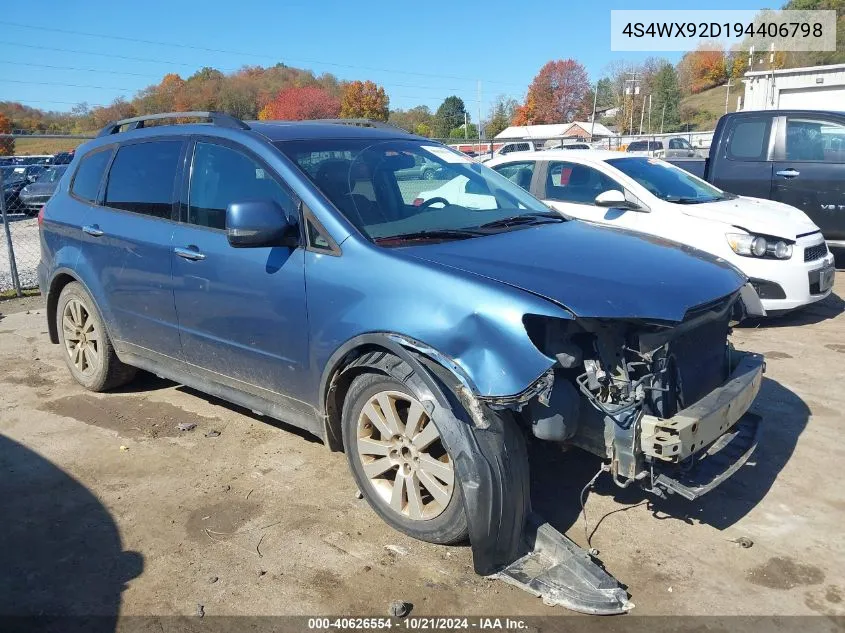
[755, 215]
[593, 271]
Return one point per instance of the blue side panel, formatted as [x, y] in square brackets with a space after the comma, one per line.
[242, 311]
[369, 289]
[129, 269]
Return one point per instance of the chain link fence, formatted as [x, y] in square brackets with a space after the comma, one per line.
[27, 181]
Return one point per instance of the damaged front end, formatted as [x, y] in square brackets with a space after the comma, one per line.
[666, 404]
[655, 399]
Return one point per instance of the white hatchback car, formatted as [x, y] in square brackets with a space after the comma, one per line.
[777, 246]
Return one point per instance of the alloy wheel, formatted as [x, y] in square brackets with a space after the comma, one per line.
[403, 457]
[82, 337]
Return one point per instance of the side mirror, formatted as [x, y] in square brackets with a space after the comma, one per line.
[255, 223]
[615, 199]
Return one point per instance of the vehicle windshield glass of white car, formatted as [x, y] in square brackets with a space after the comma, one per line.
[668, 182]
[52, 174]
[396, 191]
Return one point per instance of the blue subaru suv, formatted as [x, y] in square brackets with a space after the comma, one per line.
[429, 328]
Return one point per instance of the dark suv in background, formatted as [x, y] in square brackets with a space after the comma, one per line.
[282, 267]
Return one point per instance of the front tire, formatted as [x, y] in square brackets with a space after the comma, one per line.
[88, 350]
[400, 462]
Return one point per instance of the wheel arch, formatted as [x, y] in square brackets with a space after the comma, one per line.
[60, 279]
[355, 357]
[488, 447]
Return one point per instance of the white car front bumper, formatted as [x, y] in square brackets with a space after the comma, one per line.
[790, 284]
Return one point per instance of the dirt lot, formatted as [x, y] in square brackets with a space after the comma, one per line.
[108, 506]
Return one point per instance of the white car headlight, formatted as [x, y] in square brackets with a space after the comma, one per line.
[758, 246]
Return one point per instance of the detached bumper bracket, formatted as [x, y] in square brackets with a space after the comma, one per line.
[722, 459]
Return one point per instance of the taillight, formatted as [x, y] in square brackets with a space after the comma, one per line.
[418, 201]
[41, 215]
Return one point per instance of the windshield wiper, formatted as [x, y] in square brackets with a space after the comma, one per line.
[683, 200]
[524, 218]
[433, 234]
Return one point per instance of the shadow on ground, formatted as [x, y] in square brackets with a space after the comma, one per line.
[61, 553]
[557, 478]
[828, 308]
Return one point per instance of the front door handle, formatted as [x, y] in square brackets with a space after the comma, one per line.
[93, 230]
[191, 253]
[788, 173]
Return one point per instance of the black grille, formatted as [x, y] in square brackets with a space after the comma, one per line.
[768, 289]
[812, 253]
[700, 359]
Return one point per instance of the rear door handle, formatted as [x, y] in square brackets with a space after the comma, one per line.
[191, 253]
[93, 230]
[788, 173]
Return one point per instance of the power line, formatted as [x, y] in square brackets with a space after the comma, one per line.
[87, 70]
[47, 83]
[73, 103]
[242, 53]
[159, 77]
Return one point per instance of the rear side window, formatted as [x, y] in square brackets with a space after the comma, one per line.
[815, 139]
[749, 140]
[519, 173]
[570, 182]
[142, 176]
[89, 175]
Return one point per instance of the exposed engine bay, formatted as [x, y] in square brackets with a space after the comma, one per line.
[652, 398]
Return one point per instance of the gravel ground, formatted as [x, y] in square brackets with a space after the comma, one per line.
[116, 511]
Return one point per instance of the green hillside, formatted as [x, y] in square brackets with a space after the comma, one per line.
[702, 110]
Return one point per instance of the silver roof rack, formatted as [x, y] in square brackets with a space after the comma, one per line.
[135, 123]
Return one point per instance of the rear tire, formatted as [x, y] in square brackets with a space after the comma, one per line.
[399, 462]
[86, 346]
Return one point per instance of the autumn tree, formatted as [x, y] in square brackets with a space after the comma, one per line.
[703, 68]
[297, 104]
[451, 114]
[7, 145]
[364, 100]
[120, 108]
[526, 114]
[556, 93]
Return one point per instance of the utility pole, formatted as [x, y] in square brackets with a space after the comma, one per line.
[593, 120]
[632, 87]
[642, 116]
[479, 116]
[727, 95]
[662, 118]
[649, 114]
[466, 126]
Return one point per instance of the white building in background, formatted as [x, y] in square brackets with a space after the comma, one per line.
[576, 129]
[811, 88]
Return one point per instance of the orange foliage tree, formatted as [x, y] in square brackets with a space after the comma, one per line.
[7, 145]
[556, 93]
[297, 104]
[704, 68]
[365, 100]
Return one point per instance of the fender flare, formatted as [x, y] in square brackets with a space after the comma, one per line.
[491, 459]
[51, 299]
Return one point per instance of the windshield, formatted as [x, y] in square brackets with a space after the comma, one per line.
[13, 174]
[668, 182]
[372, 183]
[51, 174]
